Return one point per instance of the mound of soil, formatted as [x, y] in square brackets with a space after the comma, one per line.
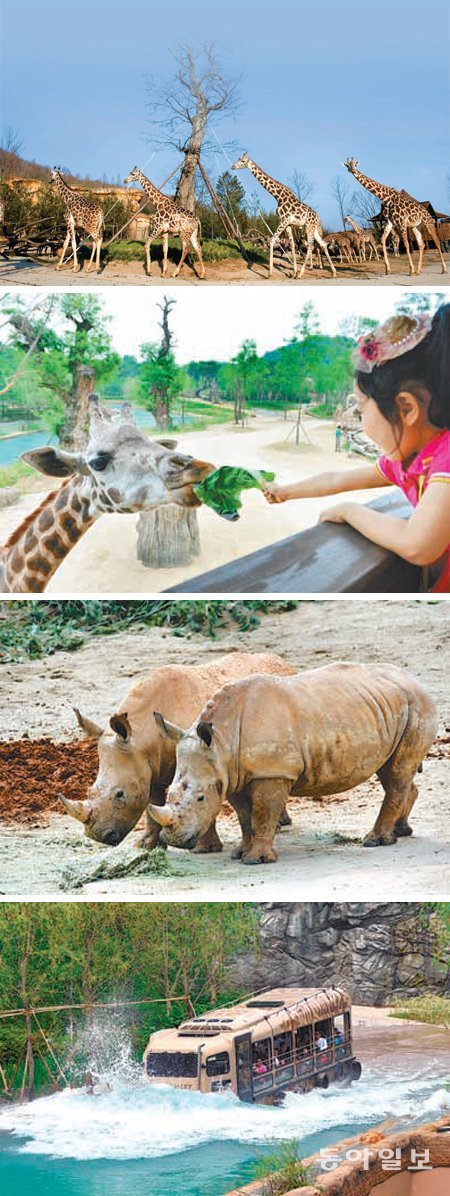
[33, 772]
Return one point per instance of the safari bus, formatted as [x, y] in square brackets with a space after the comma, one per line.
[273, 1041]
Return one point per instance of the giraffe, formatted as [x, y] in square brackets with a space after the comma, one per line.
[120, 470]
[83, 212]
[343, 244]
[291, 212]
[366, 237]
[169, 218]
[402, 212]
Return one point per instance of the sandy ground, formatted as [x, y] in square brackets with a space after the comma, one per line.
[231, 272]
[320, 857]
[104, 561]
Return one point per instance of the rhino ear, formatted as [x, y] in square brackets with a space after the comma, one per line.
[119, 723]
[205, 733]
[170, 729]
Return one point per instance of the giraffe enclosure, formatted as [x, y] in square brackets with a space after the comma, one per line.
[233, 271]
[41, 752]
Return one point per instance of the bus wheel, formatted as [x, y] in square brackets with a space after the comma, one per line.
[356, 1069]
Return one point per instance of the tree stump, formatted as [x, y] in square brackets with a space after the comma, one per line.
[168, 536]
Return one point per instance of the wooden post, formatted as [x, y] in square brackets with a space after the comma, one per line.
[168, 536]
[229, 226]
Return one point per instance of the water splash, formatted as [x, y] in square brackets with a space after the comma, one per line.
[137, 1120]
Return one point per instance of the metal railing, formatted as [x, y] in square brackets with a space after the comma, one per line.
[327, 558]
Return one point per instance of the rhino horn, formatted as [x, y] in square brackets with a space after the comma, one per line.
[169, 729]
[81, 810]
[162, 815]
[92, 730]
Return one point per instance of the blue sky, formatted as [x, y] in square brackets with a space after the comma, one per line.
[320, 81]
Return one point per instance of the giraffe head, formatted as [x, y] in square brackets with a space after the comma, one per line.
[351, 164]
[127, 471]
[133, 176]
[242, 162]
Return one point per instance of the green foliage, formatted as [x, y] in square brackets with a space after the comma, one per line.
[212, 251]
[35, 629]
[282, 1170]
[14, 473]
[430, 1008]
[74, 953]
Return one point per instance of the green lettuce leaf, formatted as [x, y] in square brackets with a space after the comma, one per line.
[221, 490]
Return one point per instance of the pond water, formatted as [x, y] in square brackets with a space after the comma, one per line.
[11, 447]
[155, 1141]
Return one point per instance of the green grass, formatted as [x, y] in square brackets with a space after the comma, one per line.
[9, 474]
[432, 1009]
[282, 1170]
[212, 251]
[36, 629]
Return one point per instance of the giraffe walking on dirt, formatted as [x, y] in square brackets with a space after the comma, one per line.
[402, 213]
[292, 213]
[365, 237]
[169, 218]
[85, 213]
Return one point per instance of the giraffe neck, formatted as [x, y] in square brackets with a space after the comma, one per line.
[378, 189]
[63, 189]
[152, 191]
[275, 188]
[36, 548]
[357, 227]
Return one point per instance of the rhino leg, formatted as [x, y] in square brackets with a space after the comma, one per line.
[284, 819]
[241, 803]
[209, 841]
[268, 800]
[152, 834]
[397, 777]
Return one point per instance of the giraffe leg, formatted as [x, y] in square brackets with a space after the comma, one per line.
[324, 247]
[74, 249]
[99, 245]
[387, 229]
[91, 259]
[405, 239]
[196, 245]
[165, 241]
[292, 244]
[438, 245]
[66, 242]
[184, 250]
[148, 260]
[420, 242]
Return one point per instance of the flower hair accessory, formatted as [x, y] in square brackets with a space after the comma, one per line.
[397, 336]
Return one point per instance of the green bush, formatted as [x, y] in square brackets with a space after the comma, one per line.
[14, 473]
[431, 1008]
[213, 251]
[282, 1170]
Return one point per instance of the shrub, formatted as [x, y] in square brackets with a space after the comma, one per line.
[431, 1008]
[282, 1170]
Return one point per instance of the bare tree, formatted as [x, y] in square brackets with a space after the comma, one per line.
[302, 186]
[182, 108]
[340, 191]
[364, 205]
[10, 147]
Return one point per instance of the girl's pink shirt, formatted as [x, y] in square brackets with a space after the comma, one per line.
[432, 464]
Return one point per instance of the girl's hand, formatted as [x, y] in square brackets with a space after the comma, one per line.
[338, 514]
[273, 492]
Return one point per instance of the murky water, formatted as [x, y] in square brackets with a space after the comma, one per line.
[155, 1140]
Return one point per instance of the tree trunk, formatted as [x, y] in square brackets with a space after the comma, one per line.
[73, 432]
[168, 536]
[27, 1089]
[185, 192]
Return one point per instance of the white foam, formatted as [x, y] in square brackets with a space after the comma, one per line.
[139, 1120]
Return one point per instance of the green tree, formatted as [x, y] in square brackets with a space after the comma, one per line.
[231, 194]
[420, 303]
[161, 381]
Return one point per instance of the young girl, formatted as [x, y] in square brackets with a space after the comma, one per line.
[402, 386]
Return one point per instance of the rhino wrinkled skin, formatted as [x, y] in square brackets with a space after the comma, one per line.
[137, 761]
[318, 733]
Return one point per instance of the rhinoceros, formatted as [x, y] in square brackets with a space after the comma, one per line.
[137, 761]
[318, 733]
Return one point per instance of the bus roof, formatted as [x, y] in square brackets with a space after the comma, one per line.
[277, 1008]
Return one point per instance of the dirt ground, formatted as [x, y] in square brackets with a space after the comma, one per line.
[104, 561]
[320, 857]
[231, 272]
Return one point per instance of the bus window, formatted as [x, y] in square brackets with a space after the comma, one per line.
[262, 1061]
[172, 1064]
[218, 1065]
[283, 1057]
